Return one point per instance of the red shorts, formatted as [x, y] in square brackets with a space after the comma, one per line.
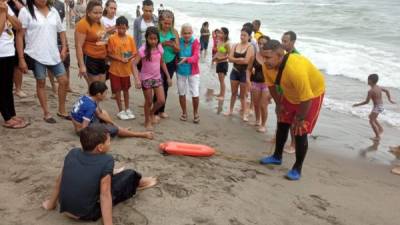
[289, 111]
[119, 83]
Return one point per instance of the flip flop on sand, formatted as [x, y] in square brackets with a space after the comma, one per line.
[183, 117]
[50, 120]
[65, 117]
[16, 124]
[396, 170]
[147, 182]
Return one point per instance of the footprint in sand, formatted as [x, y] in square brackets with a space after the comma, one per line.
[176, 190]
[317, 207]
[130, 216]
[235, 221]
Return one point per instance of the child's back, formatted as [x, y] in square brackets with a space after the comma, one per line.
[80, 181]
[376, 95]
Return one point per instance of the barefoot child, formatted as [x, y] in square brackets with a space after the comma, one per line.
[121, 51]
[375, 94]
[188, 72]
[87, 188]
[150, 54]
[86, 113]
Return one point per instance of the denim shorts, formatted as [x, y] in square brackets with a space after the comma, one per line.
[40, 70]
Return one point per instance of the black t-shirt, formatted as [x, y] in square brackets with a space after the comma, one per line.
[80, 181]
[59, 6]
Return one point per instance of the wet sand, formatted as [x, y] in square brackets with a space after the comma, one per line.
[229, 188]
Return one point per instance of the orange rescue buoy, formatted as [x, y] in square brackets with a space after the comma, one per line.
[179, 148]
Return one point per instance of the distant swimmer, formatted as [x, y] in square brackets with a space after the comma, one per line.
[375, 94]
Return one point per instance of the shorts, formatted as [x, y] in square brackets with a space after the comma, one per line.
[94, 67]
[378, 109]
[194, 85]
[123, 187]
[238, 75]
[222, 67]
[151, 83]
[287, 115]
[255, 86]
[119, 83]
[204, 45]
[40, 70]
[111, 129]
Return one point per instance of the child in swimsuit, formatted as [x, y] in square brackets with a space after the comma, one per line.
[375, 94]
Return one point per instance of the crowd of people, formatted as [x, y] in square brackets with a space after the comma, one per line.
[33, 37]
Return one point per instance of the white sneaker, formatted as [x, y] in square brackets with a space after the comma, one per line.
[129, 114]
[122, 115]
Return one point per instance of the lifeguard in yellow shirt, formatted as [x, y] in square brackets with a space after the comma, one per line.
[297, 88]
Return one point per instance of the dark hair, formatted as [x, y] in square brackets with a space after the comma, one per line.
[107, 4]
[374, 78]
[226, 32]
[97, 87]
[245, 29]
[149, 31]
[90, 6]
[272, 45]
[248, 25]
[147, 3]
[31, 8]
[122, 21]
[257, 22]
[291, 34]
[264, 37]
[92, 136]
[205, 24]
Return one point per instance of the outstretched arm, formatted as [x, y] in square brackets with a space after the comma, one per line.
[364, 102]
[106, 200]
[388, 95]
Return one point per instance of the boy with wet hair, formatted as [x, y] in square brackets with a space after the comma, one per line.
[87, 187]
[375, 94]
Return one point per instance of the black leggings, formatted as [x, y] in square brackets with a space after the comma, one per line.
[123, 187]
[7, 107]
[171, 67]
[301, 145]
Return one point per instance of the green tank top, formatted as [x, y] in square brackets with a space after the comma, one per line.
[169, 53]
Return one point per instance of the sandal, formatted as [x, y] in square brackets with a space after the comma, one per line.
[183, 117]
[16, 125]
[196, 119]
[50, 120]
[65, 117]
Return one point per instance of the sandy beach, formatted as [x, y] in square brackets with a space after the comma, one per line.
[346, 179]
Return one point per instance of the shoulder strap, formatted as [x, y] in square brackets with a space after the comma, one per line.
[280, 71]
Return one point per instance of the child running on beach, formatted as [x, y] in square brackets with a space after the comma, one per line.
[88, 185]
[150, 54]
[121, 51]
[221, 58]
[375, 94]
[85, 113]
[188, 71]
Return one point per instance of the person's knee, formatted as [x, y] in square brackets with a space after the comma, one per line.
[63, 81]
[40, 84]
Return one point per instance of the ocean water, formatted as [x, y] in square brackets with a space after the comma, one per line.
[347, 40]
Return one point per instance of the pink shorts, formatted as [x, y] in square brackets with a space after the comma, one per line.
[259, 86]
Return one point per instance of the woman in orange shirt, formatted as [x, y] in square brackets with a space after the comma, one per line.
[90, 44]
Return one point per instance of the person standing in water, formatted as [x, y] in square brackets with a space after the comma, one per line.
[204, 39]
[298, 89]
[375, 94]
[221, 59]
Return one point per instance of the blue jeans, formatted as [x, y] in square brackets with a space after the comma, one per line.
[40, 70]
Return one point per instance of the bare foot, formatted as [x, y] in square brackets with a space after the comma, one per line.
[396, 170]
[262, 129]
[47, 205]
[228, 114]
[147, 182]
[220, 98]
[21, 94]
[148, 126]
[255, 123]
[164, 115]
[118, 170]
[290, 149]
[375, 138]
[155, 119]
[245, 117]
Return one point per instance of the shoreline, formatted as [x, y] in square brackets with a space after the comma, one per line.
[229, 188]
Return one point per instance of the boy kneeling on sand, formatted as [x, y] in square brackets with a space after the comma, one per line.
[86, 113]
[87, 188]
